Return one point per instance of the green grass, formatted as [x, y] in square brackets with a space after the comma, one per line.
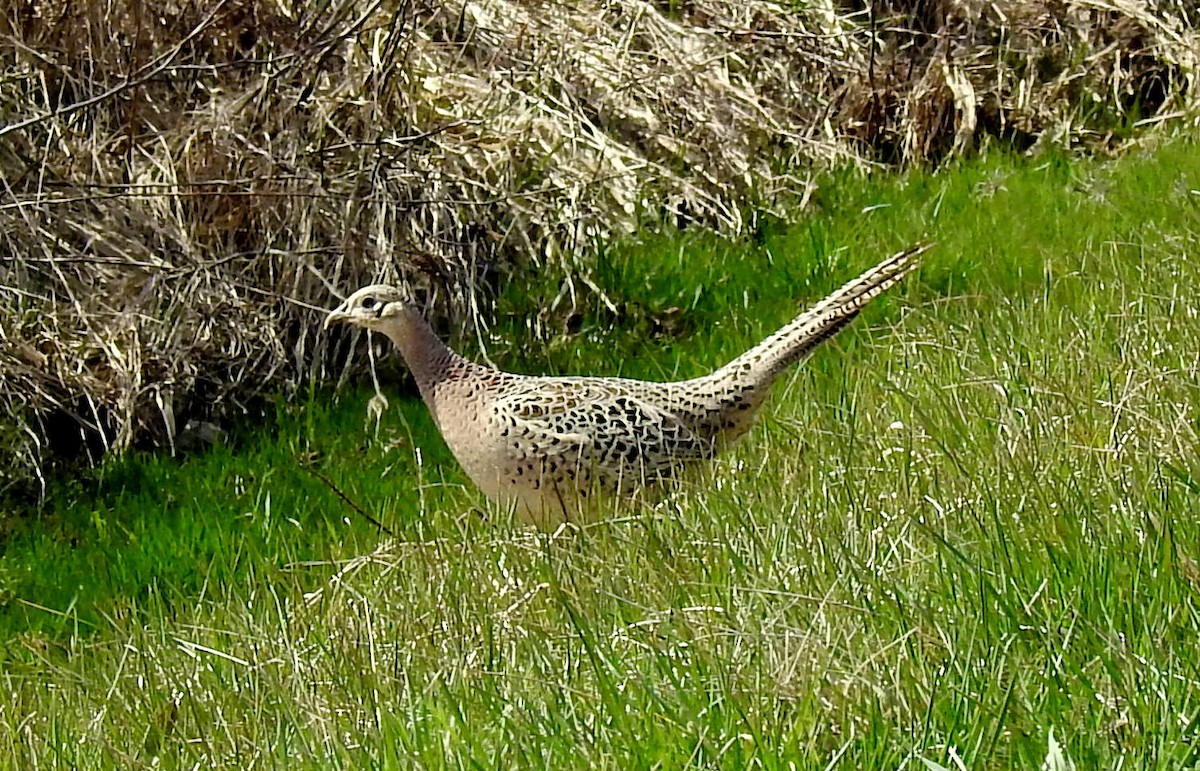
[969, 522]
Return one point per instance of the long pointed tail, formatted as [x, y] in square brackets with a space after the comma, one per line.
[822, 321]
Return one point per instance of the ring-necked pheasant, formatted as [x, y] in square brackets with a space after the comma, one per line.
[546, 443]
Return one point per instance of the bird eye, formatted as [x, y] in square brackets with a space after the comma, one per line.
[368, 302]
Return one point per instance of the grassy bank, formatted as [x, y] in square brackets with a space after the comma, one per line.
[966, 524]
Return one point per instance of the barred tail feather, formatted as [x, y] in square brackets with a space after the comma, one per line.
[800, 336]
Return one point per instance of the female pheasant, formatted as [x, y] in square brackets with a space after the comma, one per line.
[544, 444]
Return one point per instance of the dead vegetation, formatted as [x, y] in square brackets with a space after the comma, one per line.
[186, 185]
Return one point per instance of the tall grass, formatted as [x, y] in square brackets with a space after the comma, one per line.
[965, 526]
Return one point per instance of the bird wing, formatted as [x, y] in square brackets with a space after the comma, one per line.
[600, 426]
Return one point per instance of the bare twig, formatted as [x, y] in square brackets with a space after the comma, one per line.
[144, 75]
[349, 502]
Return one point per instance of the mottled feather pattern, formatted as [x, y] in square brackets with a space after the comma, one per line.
[614, 429]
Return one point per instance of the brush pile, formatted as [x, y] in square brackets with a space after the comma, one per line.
[186, 184]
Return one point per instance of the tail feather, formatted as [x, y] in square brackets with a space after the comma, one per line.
[799, 337]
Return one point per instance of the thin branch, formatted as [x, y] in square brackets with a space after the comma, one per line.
[145, 74]
[358, 509]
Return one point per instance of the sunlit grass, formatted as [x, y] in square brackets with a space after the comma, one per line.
[968, 522]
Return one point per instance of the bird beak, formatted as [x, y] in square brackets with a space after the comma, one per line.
[337, 316]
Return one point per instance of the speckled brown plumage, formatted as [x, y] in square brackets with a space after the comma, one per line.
[545, 444]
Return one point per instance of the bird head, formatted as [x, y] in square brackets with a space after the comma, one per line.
[371, 307]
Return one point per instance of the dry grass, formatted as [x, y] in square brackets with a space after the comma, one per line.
[183, 189]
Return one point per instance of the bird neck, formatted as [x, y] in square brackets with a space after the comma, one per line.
[430, 360]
